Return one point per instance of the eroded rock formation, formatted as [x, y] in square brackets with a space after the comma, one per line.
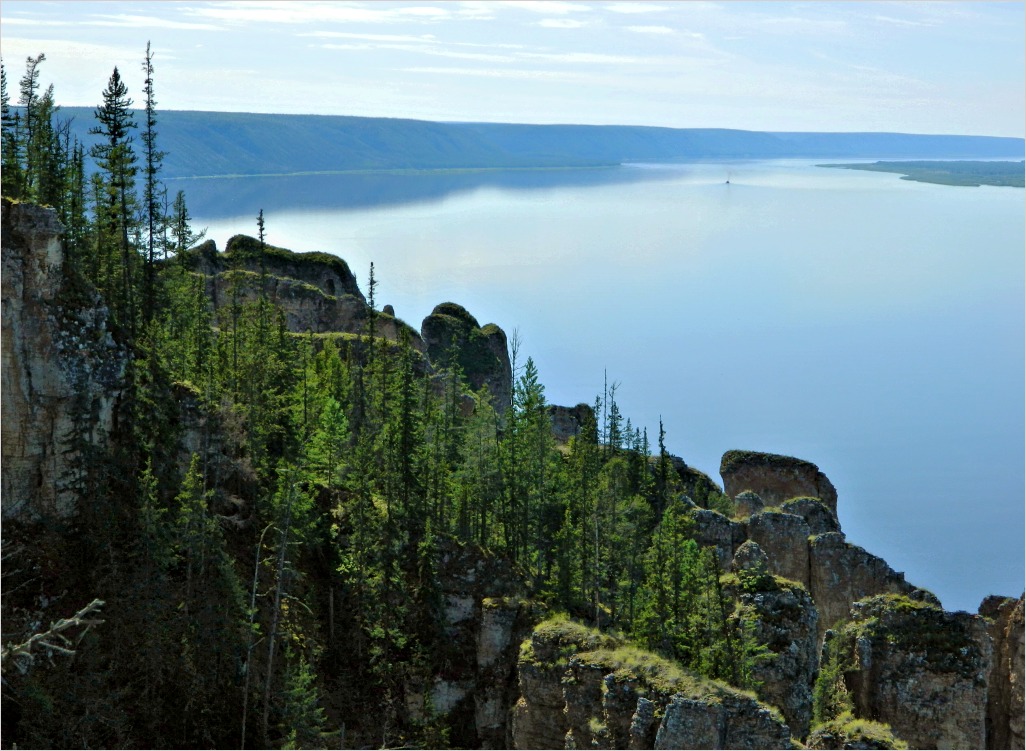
[584, 689]
[921, 670]
[62, 369]
[775, 478]
[480, 351]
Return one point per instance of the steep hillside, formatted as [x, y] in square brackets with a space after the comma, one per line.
[230, 143]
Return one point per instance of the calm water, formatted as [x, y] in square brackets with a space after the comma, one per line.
[868, 324]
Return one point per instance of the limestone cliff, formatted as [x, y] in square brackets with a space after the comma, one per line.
[775, 478]
[584, 689]
[1005, 710]
[921, 670]
[480, 351]
[62, 369]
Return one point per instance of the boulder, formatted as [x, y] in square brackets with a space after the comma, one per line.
[815, 513]
[747, 503]
[775, 478]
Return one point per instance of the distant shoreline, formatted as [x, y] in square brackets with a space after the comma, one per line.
[961, 173]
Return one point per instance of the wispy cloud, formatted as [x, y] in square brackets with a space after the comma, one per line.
[421, 50]
[632, 8]
[548, 7]
[123, 20]
[294, 12]
[650, 29]
[517, 73]
[563, 23]
[587, 58]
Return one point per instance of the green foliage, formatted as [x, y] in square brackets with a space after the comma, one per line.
[302, 718]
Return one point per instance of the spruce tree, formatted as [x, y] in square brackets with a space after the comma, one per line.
[116, 205]
[152, 162]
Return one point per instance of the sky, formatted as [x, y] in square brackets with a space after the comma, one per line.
[917, 67]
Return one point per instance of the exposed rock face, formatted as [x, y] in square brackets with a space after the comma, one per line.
[842, 573]
[486, 619]
[775, 478]
[919, 669]
[62, 371]
[815, 513]
[568, 421]
[713, 529]
[735, 722]
[848, 733]
[1005, 710]
[315, 291]
[750, 557]
[575, 695]
[785, 620]
[481, 351]
[329, 273]
[785, 538]
[747, 503]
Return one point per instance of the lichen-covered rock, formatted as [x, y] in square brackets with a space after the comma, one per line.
[712, 529]
[750, 557]
[847, 732]
[747, 503]
[735, 721]
[781, 616]
[481, 351]
[775, 478]
[785, 538]
[538, 718]
[1005, 710]
[921, 670]
[842, 573]
[568, 421]
[62, 371]
[815, 513]
[617, 696]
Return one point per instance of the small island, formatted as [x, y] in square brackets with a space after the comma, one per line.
[967, 173]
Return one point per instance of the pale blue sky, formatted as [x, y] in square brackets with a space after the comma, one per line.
[924, 67]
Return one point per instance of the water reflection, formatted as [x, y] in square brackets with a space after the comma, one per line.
[234, 196]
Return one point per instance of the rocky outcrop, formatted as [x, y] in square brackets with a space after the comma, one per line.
[780, 615]
[847, 732]
[1005, 710]
[327, 272]
[62, 370]
[584, 689]
[842, 573]
[712, 529]
[486, 617]
[921, 670]
[316, 292]
[747, 503]
[480, 351]
[814, 512]
[785, 538]
[775, 478]
[567, 422]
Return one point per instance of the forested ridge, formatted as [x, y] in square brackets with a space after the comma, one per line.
[275, 542]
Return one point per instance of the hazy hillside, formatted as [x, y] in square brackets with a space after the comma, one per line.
[220, 143]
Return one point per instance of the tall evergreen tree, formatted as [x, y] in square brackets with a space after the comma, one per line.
[116, 207]
[152, 162]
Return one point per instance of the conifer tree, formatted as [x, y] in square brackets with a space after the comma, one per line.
[115, 210]
[152, 162]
